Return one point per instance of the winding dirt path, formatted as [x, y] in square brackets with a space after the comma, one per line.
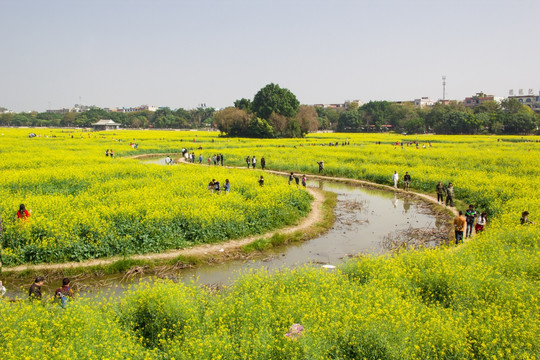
[313, 218]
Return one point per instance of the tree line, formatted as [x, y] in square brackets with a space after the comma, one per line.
[276, 112]
[507, 117]
[163, 118]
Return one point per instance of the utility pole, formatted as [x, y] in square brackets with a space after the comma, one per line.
[444, 87]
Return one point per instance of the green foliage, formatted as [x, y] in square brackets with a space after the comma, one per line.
[272, 98]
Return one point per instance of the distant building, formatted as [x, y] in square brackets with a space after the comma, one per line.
[423, 102]
[531, 100]
[59, 111]
[77, 108]
[477, 99]
[134, 109]
[345, 105]
[105, 124]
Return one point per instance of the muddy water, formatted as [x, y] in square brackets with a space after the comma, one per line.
[367, 222]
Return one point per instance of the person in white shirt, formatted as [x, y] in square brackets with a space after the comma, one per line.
[395, 177]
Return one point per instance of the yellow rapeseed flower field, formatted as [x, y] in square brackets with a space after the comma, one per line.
[475, 301]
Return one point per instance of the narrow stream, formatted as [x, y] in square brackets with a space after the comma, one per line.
[368, 221]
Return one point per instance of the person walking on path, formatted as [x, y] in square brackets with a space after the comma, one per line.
[227, 186]
[304, 182]
[34, 293]
[450, 195]
[459, 226]
[64, 293]
[263, 163]
[248, 161]
[253, 162]
[221, 158]
[200, 159]
[291, 178]
[440, 192]
[395, 178]
[470, 215]
[481, 222]
[321, 166]
[406, 181]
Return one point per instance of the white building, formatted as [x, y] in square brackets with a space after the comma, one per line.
[423, 102]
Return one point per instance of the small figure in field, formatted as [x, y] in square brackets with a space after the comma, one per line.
[227, 186]
[221, 158]
[470, 215]
[253, 162]
[248, 161]
[263, 162]
[459, 226]
[211, 186]
[168, 160]
[200, 159]
[395, 178]
[209, 161]
[107, 152]
[406, 181]
[2, 289]
[291, 178]
[261, 181]
[297, 180]
[34, 293]
[440, 192]
[304, 181]
[217, 187]
[481, 222]
[22, 213]
[64, 293]
[111, 154]
[525, 218]
[450, 195]
[321, 166]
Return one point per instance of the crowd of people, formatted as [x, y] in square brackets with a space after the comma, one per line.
[215, 187]
[465, 223]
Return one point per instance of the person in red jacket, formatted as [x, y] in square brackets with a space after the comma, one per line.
[23, 213]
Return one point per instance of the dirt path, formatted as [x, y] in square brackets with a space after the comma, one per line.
[313, 218]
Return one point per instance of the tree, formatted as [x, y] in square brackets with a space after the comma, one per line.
[260, 128]
[349, 121]
[519, 123]
[377, 113]
[232, 121]
[415, 126]
[272, 98]
[307, 118]
[243, 104]
[279, 123]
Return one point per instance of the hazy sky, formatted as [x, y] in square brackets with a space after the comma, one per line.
[184, 53]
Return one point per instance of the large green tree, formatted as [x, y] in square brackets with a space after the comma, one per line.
[272, 98]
